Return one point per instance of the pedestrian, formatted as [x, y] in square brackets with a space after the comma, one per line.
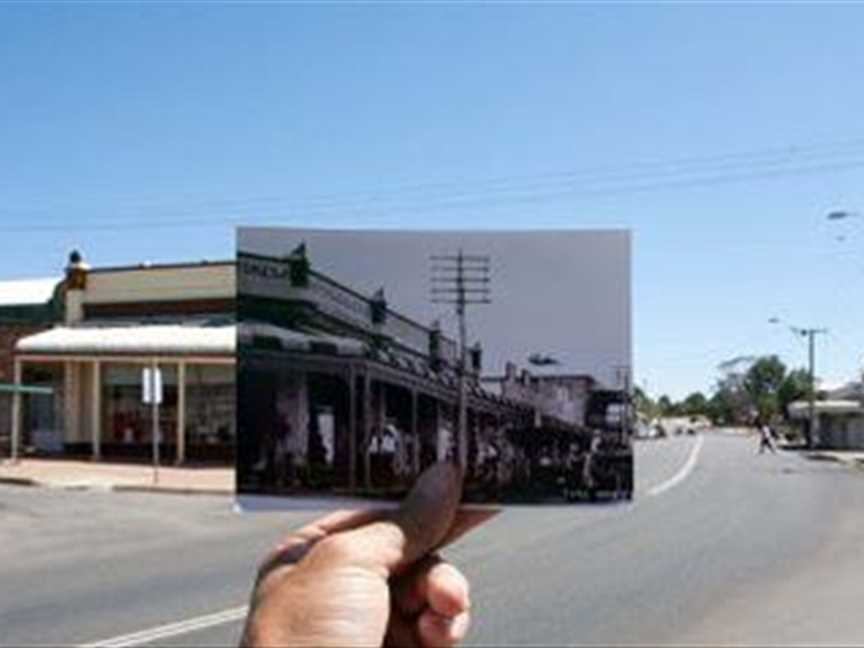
[369, 578]
[766, 439]
[284, 458]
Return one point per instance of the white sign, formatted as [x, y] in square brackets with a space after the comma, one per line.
[151, 382]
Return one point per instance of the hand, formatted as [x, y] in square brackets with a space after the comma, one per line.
[369, 578]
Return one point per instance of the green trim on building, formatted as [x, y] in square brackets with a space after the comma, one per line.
[25, 389]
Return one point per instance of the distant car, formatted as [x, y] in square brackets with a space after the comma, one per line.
[643, 430]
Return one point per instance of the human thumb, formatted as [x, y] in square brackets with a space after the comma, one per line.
[408, 533]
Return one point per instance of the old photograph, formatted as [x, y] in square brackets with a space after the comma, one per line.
[364, 357]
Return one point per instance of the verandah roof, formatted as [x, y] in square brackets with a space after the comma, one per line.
[257, 334]
[801, 409]
[156, 339]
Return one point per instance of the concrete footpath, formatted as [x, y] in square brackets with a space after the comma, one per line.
[854, 458]
[92, 475]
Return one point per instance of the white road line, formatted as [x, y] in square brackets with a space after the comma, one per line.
[238, 613]
[171, 629]
[682, 474]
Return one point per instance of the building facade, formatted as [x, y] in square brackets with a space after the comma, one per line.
[116, 321]
[839, 418]
[555, 397]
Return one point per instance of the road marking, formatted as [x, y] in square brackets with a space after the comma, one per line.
[238, 613]
[682, 474]
[172, 629]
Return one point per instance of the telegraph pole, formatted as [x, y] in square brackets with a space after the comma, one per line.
[810, 334]
[461, 280]
[623, 378]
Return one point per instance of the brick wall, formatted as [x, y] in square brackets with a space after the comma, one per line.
[9, 335]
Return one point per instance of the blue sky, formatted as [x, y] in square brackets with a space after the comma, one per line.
[146, 132]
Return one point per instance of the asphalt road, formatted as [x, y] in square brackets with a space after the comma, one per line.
[719, 546]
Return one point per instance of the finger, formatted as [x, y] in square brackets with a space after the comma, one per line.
[428, 512]
[293, 547]
[403, 536]
[437, 630]
[446, 589]
[433, 584]
[401, 632]
[344, 520]
[464, 521]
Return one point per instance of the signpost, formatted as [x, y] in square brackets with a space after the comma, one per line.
[151, 394]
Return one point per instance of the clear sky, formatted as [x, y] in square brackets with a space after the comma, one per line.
[721, 134]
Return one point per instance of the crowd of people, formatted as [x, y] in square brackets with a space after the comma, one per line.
[504, 464]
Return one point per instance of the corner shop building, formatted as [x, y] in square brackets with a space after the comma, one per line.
[114, 322]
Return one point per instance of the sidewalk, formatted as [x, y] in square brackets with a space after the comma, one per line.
[854, 458]
[89, 475]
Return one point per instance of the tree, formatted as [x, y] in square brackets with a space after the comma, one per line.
[720, 408]
[666, 406]
[795, 386]
[762, 383]
[644, 404]
[730, 404]
[695, 404]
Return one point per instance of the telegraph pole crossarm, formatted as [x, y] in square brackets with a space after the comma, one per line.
[461, 280]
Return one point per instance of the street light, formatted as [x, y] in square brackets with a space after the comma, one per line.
[810, 334]
[841, 214]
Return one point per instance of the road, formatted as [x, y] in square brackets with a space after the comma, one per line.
[720, 546]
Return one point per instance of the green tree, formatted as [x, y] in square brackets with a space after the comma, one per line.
[720, 408]
[795, 386]
[762, 384]
[730, 404]
[695, 404]
[644, 404]
[665, 406]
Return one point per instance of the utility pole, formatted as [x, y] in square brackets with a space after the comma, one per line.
[623, 378]
[810, 334]
[461, 280]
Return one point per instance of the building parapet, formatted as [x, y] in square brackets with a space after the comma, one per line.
[271, 278]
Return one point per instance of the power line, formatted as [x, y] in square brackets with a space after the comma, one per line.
[741, 160]
[672, 178]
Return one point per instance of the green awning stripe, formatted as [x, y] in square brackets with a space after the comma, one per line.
[25, 389]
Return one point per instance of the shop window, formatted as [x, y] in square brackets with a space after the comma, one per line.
[125, 418]
[210, 404]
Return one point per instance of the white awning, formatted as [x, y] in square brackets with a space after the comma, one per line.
[22, 292]
[156, 339]
[801, 409]
[253, 333]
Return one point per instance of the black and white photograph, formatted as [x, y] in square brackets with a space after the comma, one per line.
[366, 356]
